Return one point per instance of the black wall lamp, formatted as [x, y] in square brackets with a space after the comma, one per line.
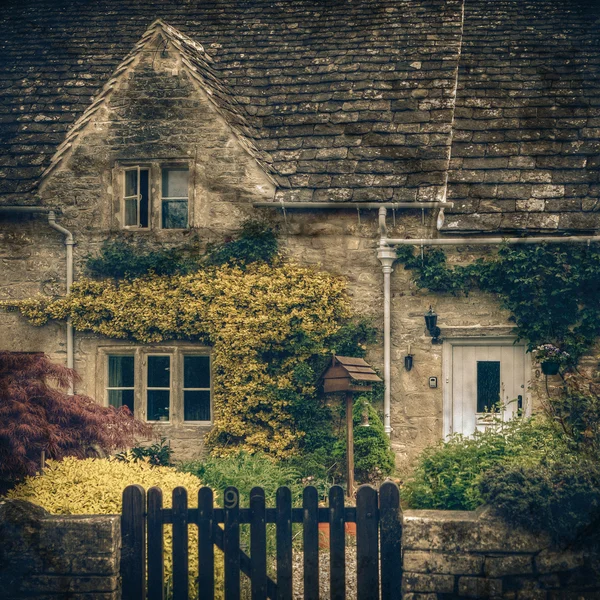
[408, 360]
[432, 328]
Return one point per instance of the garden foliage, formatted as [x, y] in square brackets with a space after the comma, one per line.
[448, 475]
[37, 415]
[95, 486]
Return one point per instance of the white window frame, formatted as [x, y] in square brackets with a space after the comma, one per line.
[137, 197]
[447, 367]
[140, 396]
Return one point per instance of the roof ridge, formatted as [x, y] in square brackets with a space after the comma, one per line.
[198, 65]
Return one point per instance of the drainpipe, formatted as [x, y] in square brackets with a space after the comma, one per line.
[69, 244]
[386, 256]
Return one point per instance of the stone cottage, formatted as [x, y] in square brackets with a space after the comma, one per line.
[360, 123]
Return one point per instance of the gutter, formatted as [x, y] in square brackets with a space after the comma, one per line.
[69, 243]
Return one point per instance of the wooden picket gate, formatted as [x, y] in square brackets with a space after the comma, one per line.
[378, 543]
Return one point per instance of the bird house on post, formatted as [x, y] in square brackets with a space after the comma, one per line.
[348, 374]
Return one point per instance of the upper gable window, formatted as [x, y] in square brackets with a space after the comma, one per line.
[136, 199]
[174, 199]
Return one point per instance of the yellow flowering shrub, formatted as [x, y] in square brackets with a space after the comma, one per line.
[262, 321]
[95, 486]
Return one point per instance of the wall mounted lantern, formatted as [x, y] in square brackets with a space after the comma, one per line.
[408, 360]
[432, 328]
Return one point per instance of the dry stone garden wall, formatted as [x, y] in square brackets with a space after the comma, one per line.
[447, 555]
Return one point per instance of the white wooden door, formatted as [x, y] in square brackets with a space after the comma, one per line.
[488, 382]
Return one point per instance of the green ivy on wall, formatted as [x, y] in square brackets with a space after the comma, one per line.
[551, 290]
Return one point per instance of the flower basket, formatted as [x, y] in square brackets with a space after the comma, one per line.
[550, 367]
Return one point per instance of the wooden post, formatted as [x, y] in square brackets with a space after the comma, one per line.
[349, 446]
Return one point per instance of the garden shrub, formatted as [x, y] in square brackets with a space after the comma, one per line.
[448, 475]
[245, 471]
[37, 415]
[124, 258]
[157, 454]
[561, 497]
[373, 455]
[95, 486]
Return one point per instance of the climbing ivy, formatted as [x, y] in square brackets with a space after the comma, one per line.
[551, 290]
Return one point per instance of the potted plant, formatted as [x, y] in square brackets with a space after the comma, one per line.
[551, 358]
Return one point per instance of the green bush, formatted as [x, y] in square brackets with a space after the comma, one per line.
[256, 241]
[245, 471]
[373, 456]
[562, 498]
[447, 476]
[158, 454]
[128, 259]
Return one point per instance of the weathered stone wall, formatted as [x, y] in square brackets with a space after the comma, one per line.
[54, 557]
[477, 555]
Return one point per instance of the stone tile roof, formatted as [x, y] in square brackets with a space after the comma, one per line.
[352, 100]
[346, 99]
[526, 141]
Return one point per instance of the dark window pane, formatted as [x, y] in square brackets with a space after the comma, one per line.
[120, 371]
[175, 214]
[144, 198]
[159, 372]
[488, 385]
[131, 183]
[196, 406]
[175, 183]
[196, 372]
[158, 405]
[118, 398]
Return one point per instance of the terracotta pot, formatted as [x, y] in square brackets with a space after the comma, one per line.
[324, 535]
[351, 529]
[550, 367]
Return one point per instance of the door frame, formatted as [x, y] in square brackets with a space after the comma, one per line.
[447, 365]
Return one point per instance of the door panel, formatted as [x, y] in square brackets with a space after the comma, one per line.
[465, 389]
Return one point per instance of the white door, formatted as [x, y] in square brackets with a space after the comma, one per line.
[487, 383]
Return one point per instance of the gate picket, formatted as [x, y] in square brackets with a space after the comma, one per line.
[133, 544]
[206, 552]
[180, 544]
[231, 543]
[337, 544]
[390, 527]
[156, 562]
[284, 543]
[367, 546]
[310, 520]
[258, 544]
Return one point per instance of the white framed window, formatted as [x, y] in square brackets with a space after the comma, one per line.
[174, 198]
[170, 384]
[136, 197]
[152, 195]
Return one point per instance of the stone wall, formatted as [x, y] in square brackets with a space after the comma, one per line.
[54, 557]
[461, 554]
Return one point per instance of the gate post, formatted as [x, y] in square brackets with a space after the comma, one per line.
[390, 530]
[133, 543]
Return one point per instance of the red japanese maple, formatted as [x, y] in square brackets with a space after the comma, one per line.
[37, 415]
